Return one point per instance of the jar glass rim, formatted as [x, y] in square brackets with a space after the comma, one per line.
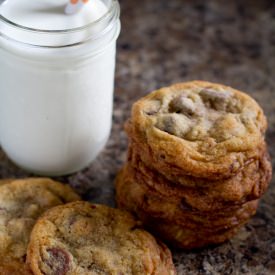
[104, 17]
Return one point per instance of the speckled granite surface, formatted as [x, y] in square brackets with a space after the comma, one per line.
[163, 42]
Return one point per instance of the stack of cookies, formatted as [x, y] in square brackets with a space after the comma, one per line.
[197, 162]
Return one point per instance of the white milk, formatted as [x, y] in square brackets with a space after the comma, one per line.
[56, 88]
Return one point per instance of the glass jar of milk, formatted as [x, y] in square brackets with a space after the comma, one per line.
[56, 82]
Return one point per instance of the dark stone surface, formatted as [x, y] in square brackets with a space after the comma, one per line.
[163, 42]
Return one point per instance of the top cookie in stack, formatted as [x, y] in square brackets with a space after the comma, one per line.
[198, 128]
[197, 162]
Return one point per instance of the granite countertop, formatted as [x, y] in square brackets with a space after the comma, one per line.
[163, 42]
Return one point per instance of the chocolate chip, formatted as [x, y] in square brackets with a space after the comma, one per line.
[182, 104]
[174, 124]
[71, 220]
[169, 124]
[152, 108]
[3, 210]
[185, 206]
[58, 261]
[162, 156]
[136, 227]
[151, 113]
[215, 99]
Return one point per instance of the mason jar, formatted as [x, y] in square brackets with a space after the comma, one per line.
[56, 92]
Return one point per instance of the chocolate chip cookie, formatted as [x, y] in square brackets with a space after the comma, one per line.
[197, 128]
[181, 227]
[135, 196]
[201, 194]
[181, 237]
[22, 201]
[83, 238]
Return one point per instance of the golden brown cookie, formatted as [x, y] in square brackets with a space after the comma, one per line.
[22, 201]
[201, 194]
[136, 198]
[188, 237]
[4, 181]
[181, 237]
[180, 227]
[197, 128]
[14, 268]
[83, 238]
